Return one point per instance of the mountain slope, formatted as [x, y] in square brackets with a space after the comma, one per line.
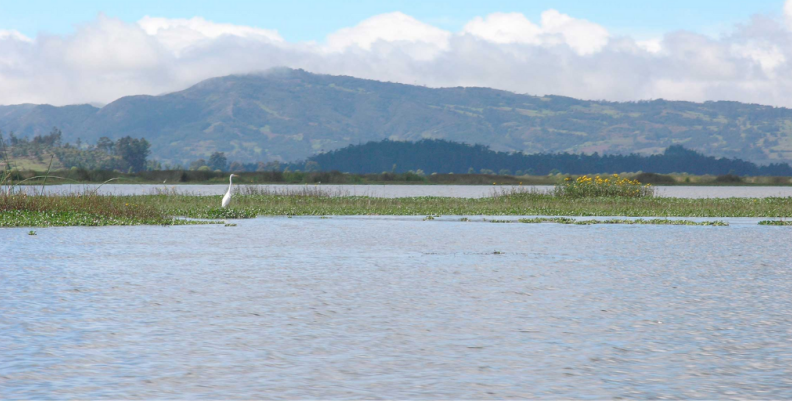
[292, 114]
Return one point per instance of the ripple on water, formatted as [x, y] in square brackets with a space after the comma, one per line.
[396, 308]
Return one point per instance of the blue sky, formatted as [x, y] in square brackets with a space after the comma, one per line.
[308, 20]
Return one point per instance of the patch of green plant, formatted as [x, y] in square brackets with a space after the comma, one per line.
[567, 220]
[775, 223]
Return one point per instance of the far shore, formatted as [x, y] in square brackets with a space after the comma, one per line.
[197, 177]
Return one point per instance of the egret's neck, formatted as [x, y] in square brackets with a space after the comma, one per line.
[230, 182]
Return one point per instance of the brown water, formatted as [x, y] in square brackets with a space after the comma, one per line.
[396, 308]
[398, 191]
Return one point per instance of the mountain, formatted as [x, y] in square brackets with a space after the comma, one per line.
[286, 114]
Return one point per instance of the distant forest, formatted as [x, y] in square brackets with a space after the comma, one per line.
[126, 154]
[440, 156]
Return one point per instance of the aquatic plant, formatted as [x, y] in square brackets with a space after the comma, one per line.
[775, 223]
[567, 220]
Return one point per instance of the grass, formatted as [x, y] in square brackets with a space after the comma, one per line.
[160, 208]
[84, 209]
[503, 203]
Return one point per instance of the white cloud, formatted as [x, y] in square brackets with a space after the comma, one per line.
[505, 28]
[767, 56]
[788, 12]
[13, 35]
[420, 40]
[651, 45]
[556, 29]
[179, 34]
[107, 58]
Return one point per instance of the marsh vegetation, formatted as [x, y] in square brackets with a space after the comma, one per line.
[611, 196]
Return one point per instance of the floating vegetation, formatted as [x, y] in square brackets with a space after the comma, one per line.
[230, 225]
[530, 204]
[567, 220]
[31, 232]
[775, 223]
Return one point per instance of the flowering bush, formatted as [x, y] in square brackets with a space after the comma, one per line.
[609, 186]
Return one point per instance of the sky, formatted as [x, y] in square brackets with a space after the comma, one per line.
[88, 51]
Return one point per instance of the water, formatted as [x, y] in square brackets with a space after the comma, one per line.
[398, 191]
[396, 308]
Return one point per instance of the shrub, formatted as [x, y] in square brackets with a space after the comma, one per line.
[612, 186]
[728, 179]
[653, 178]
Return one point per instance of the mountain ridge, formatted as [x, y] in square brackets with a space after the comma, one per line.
[286, 114]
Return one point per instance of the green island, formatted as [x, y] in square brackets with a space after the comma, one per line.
[582, 196]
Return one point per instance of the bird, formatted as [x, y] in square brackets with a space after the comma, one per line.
[227, 197]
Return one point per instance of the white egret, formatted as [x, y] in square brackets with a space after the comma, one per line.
[227, 197]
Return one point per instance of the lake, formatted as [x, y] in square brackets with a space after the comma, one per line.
[396, 308]
[398, 191]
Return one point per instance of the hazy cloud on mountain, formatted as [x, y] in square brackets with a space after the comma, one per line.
[560, 54]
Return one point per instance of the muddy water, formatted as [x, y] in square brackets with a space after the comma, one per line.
[396, 308]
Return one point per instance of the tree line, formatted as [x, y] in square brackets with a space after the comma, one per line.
[427, 156]
[125, 154]
[441, 156]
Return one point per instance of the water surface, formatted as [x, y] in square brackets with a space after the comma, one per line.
[396, 308]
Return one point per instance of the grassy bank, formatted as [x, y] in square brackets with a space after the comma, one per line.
[89, 209]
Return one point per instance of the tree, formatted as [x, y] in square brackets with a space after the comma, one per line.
[133, 151]
[198, 164]
[237, 166]
[105, 145]
[218, 161]
[311, 166]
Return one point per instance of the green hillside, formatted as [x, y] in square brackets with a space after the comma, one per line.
[289, 114]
